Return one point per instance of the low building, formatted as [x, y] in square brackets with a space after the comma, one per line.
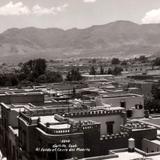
[132, 103]
[22, 97]
[88, 77]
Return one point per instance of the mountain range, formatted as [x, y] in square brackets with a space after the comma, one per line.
[116, 39]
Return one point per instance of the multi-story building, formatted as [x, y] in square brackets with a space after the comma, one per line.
[46, 130]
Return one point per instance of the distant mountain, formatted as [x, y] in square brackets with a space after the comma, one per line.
[116, 39]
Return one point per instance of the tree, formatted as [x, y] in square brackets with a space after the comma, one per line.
[153, 105]
[13, 79]
[109, 71]
[21, 76]
[40, 66]
[74, 75]
[143, 59]
[156, 91]
[94, 61]
[42, 79]
[25, 83]
[34, 68]
[124, 63]
[101, 70]
[156, 62]
[8, 80]
[117, 71]
[92, 71]
[2, 80]
[115, 61]
[54, 77]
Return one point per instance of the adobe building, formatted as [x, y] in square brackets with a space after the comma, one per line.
[109, 118]
[51, 137]
[41, 129]
[9, 122]
[132, 103]
[145, 87]
[40, 125]
[10, 108]
[102, 77]
[38, 134]
[35, 131]
[22, 97]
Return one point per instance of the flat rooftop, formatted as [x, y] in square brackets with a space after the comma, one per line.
[135, 125]
[155, 121]
[21, 93]
[101, 75]
[46, 119]
[112, 95]
[32, 107]
[52, 121]
[106, 107]
[60, 126]
[126, 156]
[133, 156]
[123, 154]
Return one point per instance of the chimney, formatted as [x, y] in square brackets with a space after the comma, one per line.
[131, 145]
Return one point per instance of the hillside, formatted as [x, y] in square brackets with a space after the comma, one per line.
[119, 39]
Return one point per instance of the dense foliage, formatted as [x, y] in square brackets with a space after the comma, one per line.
[156, 62]
[115, 61]
[153, 104]
[92, 71]
[31, 73]
[74, 75]
[115, 71]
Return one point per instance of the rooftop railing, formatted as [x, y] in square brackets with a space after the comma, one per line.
[94, 113]
[114, 136]
[134, 125]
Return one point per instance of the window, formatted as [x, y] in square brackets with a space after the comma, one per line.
[123, 104]
[140, 106]
[109, 126]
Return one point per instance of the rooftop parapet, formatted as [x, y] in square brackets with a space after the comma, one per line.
[134, 126]
[60, 118]
[25, 117]
[72, 129]
[23, 93]
[48, 129]
[121, 95]
[40, 112]
[87, 122]
[66, 126]
[94, 113]
[90, 126]
[114, 136]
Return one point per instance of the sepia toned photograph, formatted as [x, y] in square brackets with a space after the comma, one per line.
[79, 79]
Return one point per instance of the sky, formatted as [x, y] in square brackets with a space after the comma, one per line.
[68, 14]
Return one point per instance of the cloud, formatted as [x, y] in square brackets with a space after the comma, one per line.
[17, 9]
[39, 10]
[152, 16]
[14, 9]
[89, 1]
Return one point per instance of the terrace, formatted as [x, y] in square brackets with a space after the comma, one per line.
[135, 125]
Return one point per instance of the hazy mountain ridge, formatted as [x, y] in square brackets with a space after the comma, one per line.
[120, 38]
